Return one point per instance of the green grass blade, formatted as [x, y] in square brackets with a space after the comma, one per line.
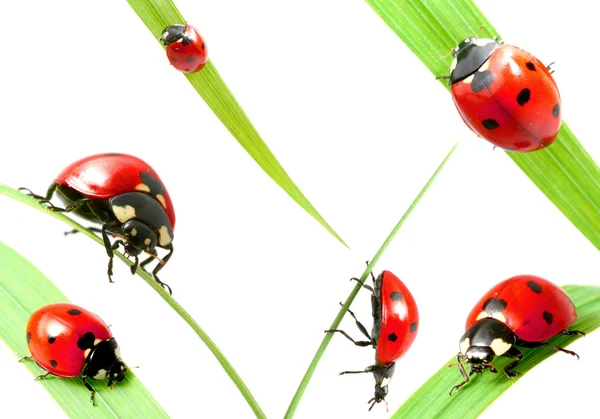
[564, 172]
[327, 338]
[157, 15]
[433, 401]
[24, 289]
[5, 190]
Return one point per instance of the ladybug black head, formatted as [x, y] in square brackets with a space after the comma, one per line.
[104, 361]
[479, 357]
[116, 374]
[139, 237]
[172, 34]
[383, 374]
[470, 55]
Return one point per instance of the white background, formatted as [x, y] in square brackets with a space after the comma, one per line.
[360, 125]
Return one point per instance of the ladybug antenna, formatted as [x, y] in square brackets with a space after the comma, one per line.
[463, 362]
[448, 53]
[162, 262]
[477, 31]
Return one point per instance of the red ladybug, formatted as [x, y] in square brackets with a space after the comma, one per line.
[395, 326]
[68, 341]
[185, 48]
[126, 196]
[524, 310]
[505, 94]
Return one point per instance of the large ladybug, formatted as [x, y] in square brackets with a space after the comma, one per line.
[186, 49]
[505, 94]
[395, 326]
[67, 341]
[126, 196]
[525, 311]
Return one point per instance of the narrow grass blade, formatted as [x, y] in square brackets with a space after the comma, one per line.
[5, 190]
[24, 289]
[433, 401]
[157, 15]
[327, 338]
[564, 172]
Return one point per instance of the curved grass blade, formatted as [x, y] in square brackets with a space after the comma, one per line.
[5, 190]
[336, 322]
[157, 15]
[564, 172]
[433, 401]
[24, 289]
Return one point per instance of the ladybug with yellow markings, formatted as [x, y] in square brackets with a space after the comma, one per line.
[525, 311]
[126, 197]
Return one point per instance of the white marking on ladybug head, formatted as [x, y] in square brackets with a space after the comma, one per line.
[464, 345]
[142, 187]
[118, 352]
[147, 241]
[100, 375]
[469, 79]
[133, 232]
[483, 315]
[453, 65]
[385, 381]
[97, 341]
[86, 353]
[165, 238]
[500, 346]
[180, 40]
[498, 316]
[162, 201]
[481, 42]
[124, 214]
[165, 33]
[485, 66]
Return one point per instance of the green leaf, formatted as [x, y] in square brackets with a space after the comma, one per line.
[336, 322]
[564, 172]
[432, 399]
[23, 294]
[157, 15]
[24, 289]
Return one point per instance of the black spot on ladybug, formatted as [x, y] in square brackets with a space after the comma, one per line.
[392, 337]
[412, 327]
[556, 110]
[51, 339]
[203, 45]
[112, 154]
[548, 317]
[523, 97]
[53, 363]
[74, 312]
[190, 59]
[28, 337]
[156, 188]
[396, 296]
[494, 305]
[86, 341]
[535, 287]
[490, 123]
[530, 66]
[174, 59]
[481, 80]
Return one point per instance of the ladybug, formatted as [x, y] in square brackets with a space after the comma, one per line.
[186, 49]
[505, 94]
[395, 326]
[525, 311]
[126, 196]
[67, 341]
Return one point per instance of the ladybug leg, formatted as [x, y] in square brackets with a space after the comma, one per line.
[370, 368]
[39, 377]
[363, 285]
[90, 388]
[71, 207]
[463, 373]
[360, 326]
[109, 248]
[549, 67]
[357, 343]
[25, 358]
[160, 266]
[48, 196]
[512, 353]
[573, 332]
[558, 348]
[135, 265]
[75, 231]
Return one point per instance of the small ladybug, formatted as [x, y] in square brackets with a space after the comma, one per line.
[126, 196]
[185, 48]
[525, 311]
[68, 341]
[395, 326]
[505, 94]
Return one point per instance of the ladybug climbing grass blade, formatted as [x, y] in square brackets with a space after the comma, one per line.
[524, 311]
[395, 326]
[124, 195]
[186, 49]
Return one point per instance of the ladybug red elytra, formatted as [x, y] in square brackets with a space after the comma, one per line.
[126, 196]
[395, 326]
[525, 311]
[186, 49]
[67, 341]
[505, 94]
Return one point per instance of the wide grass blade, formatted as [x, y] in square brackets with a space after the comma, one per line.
[336, 322]
[564, 172]
[157, 15]
[23, 294]
[433, 401]
[24, 289]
